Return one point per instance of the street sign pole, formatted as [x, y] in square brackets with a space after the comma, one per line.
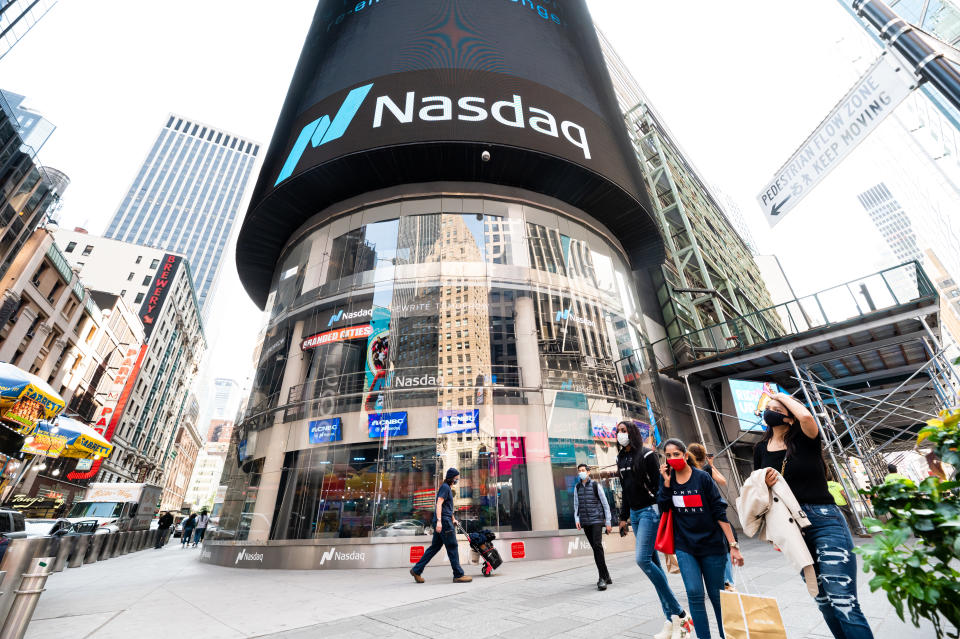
[927, 62]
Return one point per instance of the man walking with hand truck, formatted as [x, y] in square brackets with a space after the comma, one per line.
[444, 532]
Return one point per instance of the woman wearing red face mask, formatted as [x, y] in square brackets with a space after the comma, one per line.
[701, 533]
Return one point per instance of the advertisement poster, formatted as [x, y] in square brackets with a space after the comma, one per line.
[603, 426]
[749, 400]
[452, 421]
[386, 424]
[648, 433]
[377, 360]
[325, 430]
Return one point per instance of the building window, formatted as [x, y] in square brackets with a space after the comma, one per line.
[123, 292]
[138, 298]
[154, 263]
[139, 257]
[146, 280]
[70, 247]
[87, 250]
[130, 276]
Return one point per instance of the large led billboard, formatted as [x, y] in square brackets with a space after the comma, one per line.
[749, 400]
[391, 92]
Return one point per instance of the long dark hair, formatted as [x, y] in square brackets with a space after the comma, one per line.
[794, 433]
[636, 441]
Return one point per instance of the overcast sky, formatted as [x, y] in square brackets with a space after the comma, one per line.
[741, 85]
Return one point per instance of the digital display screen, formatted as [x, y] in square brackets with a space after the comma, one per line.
[325, 430]
[389, 424]
[749, 401]
[451, 421]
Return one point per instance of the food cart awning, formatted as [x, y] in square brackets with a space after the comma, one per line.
[25, 399]
[67, 437]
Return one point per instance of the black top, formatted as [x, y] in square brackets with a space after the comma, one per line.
[805, 472]
[639, 477]
[697, 507]
[708, 469]
[446, 509]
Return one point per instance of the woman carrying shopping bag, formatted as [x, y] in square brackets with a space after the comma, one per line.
[792, 445]
[702, 536]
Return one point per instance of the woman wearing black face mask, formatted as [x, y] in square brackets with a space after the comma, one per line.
[792, 444]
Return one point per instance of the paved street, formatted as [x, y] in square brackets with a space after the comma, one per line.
[159, 593]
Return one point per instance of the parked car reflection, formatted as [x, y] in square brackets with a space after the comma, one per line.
[402, 528]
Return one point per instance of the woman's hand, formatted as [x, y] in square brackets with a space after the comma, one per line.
[771, 477]
[735, 557]
[439, 527]
[665, 473]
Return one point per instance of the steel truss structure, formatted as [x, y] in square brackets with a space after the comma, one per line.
[709, 275]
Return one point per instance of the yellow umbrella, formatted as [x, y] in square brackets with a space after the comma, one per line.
[25, 399]
[67, 438]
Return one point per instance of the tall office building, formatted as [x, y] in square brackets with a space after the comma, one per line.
[892, 222]
[186, 196]
[17, 17]
[27, 192]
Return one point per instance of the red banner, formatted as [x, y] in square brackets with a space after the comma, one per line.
[131, 377]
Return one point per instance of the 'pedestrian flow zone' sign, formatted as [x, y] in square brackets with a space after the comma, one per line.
[875, 95]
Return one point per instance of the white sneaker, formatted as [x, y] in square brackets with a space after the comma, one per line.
[667, 631]
[677, 631]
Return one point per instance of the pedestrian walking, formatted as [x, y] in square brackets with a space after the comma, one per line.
[893, 474]
[444, 532]
[698, 458]
[702, 536]
[793, 444]
[591, 513]
[163, 526]
[201, 529]
[639, 470]
[186, 530]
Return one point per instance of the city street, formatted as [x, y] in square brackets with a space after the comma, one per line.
[159, 593]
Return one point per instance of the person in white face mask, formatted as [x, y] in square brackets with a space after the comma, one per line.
[639, 469]
[591, 512]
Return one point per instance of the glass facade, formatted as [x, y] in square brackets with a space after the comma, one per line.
[186, 196]
[493, 336]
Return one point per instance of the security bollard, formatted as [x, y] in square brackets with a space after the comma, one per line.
[146, 539]
[16, 561]
[108, 546]
[141, 537]
[96, 547]
[67, 545]
[125, 541]
[117, 544]
[79, 551]
[26, 598]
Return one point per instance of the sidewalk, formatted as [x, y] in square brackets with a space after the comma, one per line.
[159, 593]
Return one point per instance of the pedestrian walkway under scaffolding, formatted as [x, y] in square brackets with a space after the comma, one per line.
[866, 356]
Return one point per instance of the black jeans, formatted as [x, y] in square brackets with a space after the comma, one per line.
[447, 538]
[594, 533]
[161, 537]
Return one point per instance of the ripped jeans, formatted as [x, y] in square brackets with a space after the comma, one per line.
[831, 546]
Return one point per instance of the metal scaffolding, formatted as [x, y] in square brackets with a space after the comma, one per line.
[865, 357]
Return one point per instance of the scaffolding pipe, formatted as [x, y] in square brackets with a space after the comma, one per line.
[693, 409]
[951, 371]
[723, 437]
[806, 394]
[861, 529]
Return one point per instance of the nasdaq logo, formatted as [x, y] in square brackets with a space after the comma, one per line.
[335, 317]
[323, 130]
[567, 385]
[565, 315]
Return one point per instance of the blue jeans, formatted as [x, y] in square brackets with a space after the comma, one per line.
[697, 571]
[645, 522]
[447, 538]
[728, 573]
[831, 546]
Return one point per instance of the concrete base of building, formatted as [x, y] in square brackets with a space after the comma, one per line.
[333, 554]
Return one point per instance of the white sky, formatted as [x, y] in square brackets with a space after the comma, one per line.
[740, 84]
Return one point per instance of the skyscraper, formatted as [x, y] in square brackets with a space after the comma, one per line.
[17, 17]
[186, 195]
[892, 222]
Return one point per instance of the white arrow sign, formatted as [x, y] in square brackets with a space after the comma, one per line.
[875, 95]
